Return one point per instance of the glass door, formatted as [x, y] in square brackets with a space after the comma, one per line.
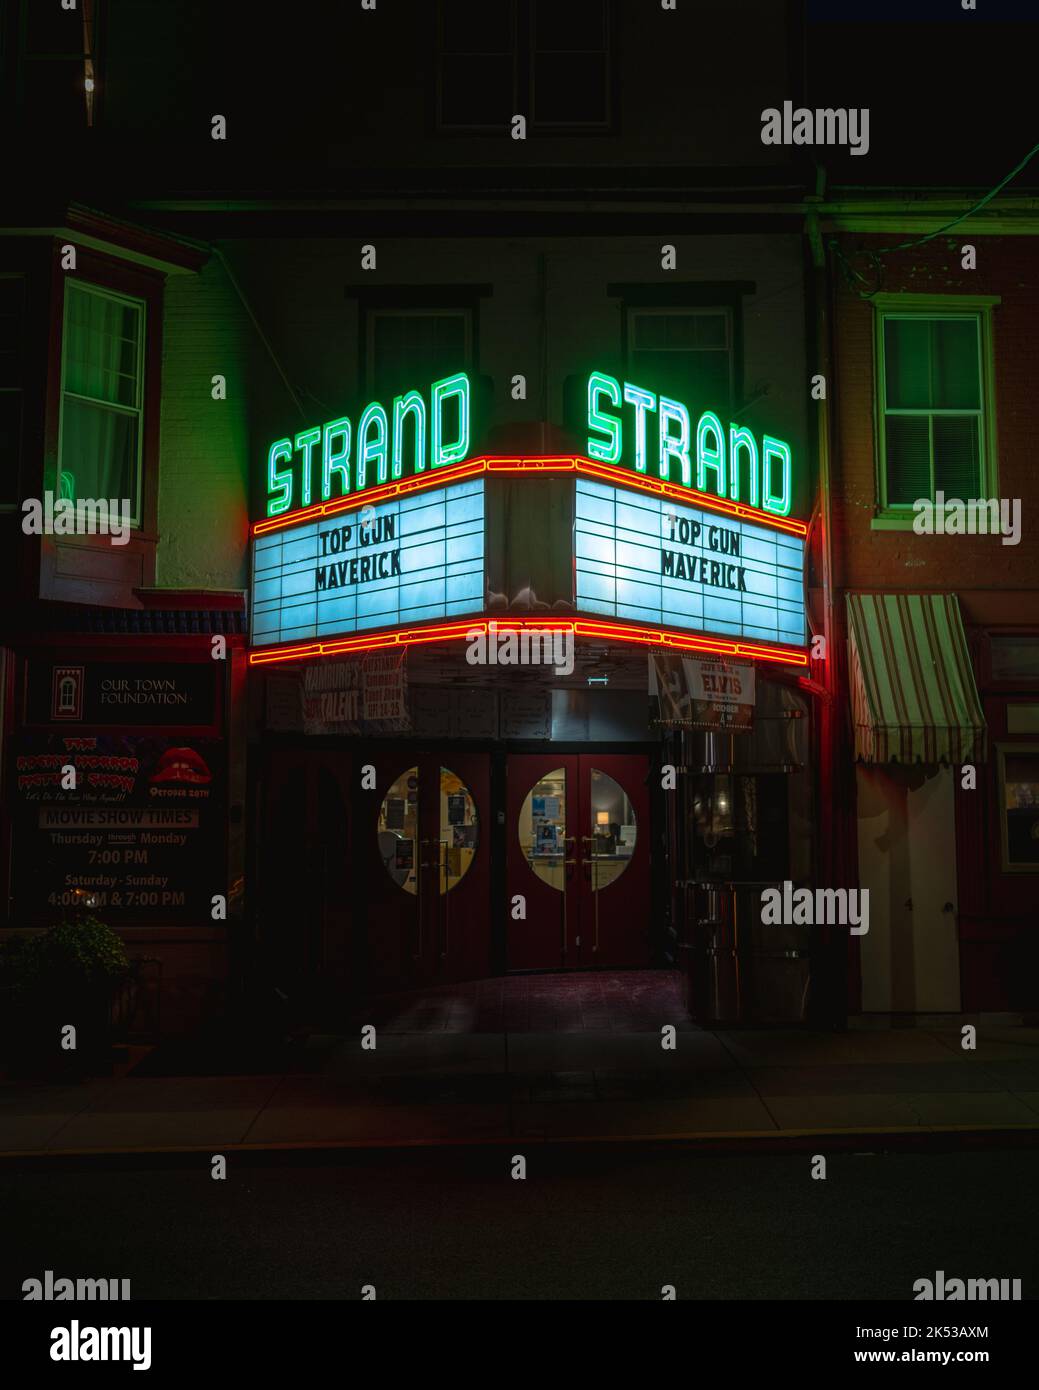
[429, 914]
[577, 861]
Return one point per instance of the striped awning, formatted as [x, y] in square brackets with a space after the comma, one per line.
[913, 695]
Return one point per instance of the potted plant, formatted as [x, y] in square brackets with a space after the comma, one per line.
[63, 976]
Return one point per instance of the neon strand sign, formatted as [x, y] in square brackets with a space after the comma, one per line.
[372, 454]
[707, 458]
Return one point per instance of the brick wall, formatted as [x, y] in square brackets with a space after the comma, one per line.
[1007, 266]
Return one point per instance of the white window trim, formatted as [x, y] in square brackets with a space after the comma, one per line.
[104, 293]
[899, 517]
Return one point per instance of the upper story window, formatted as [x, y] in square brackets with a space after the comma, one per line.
[409, 348]
[570, 65]
[683, 352]
[935, 412]
[542, 59]
[12, 365]
[56, 55]
[102, 396]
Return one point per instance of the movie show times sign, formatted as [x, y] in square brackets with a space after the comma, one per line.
[138, 831]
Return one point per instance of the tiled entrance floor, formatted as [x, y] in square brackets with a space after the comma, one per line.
[622, 1001]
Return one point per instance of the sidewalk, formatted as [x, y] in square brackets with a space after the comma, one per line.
[422, 1086]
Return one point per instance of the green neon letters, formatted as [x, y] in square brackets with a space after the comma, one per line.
[442, 454]
[712, 460]
[599, 384]
[384, 446]
[279, 480]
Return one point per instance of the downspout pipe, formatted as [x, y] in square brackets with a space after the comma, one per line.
[834, 804]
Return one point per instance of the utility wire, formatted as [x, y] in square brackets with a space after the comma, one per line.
[852, 275]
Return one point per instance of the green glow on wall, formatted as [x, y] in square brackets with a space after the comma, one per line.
[615, 437]
[355, 460]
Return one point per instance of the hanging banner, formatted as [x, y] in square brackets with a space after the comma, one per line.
[342, 697]
[702, 693]
[383, 685]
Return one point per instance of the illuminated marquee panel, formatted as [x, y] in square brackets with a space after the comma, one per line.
[648, 560]
[411, 560]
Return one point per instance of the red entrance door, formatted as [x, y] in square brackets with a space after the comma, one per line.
[429, 830]
[577, 860]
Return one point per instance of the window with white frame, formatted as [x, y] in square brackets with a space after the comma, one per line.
[102, 397]
[934, 406]
[686, 353]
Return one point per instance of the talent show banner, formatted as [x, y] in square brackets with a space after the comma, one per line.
[362, 696]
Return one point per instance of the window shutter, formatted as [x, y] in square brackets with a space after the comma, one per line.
[908, 459]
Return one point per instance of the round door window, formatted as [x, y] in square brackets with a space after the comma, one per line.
[405, 854]
[612, 840]
[542, 828]
[459, 830]
[398, 831]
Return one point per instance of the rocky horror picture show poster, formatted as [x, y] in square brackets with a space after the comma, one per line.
[131, 827]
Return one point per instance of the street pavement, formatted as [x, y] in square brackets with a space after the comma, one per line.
[425, 1087]
[599, 1222]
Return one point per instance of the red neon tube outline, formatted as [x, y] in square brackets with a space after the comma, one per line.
[607, 629]
[544, 463]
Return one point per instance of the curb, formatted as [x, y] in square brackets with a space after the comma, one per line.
[920, 1137]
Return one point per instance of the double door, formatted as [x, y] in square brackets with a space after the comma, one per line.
[429, 885]
[577, 861]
